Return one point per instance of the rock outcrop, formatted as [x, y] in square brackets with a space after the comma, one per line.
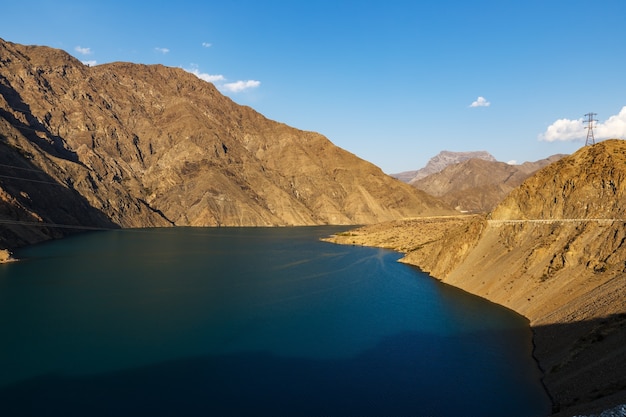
[128, 145]
[554, 251]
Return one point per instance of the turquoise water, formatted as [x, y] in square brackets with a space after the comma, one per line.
[250, 321]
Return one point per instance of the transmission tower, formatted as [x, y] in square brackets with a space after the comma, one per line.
[591, 140]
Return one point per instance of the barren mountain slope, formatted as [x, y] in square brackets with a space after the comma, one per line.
[545, 254]
[589, 184]
[151, 145]
[478, 185]
[438, 162]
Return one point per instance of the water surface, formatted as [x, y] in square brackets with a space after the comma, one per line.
[250, 321]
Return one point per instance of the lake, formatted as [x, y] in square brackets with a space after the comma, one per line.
[250, 321]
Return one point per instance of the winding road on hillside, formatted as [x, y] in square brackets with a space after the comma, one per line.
[553, 221]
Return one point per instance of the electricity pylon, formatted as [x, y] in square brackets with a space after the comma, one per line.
[591, 140]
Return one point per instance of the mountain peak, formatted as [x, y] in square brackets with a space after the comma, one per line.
[478, 185]
[438, 162]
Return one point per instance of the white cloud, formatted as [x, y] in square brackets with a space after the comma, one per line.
[212, 78]
[480, 102]
[512, 162]
[564, 130]
[84, 51]
[207, 44]
[220, 81]
[574, 130]
[90, 63]
[239, 86]
[614, 127]
[162, 50]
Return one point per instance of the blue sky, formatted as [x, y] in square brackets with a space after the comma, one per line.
[394, 82]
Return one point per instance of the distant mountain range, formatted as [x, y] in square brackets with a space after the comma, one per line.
[438, 162]
[471, 181]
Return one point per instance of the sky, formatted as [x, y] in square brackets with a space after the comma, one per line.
[394, 82]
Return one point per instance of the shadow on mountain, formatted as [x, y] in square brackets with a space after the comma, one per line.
[409, 374]
[50, 143]
[584, 363]
[36, 197]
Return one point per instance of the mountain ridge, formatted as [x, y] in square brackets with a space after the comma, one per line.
[148, 145]
[440, 161]
[478, 185]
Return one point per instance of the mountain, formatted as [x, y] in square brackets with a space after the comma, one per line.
[590, 184]
[478, 185]
[130, 145]
[554, 250]
[439, 162]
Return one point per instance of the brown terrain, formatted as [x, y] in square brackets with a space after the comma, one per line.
[128, 145]
[554, 251]
[477, 185]
[439, 162]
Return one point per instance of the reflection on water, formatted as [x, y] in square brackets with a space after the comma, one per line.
[255, 321]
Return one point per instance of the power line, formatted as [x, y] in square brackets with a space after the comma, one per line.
[39, 171]
[23, 169]
[27, 179]
[43, 224]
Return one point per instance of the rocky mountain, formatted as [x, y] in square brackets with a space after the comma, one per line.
[478, 185]
[554, 250]
[129, 145]
[589, 185]
[438, 162]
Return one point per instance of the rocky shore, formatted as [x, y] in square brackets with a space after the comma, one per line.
[6, 256]
[570, 288]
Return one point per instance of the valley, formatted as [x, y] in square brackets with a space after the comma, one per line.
[126, 145]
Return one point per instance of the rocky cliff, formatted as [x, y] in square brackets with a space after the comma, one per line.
[128, 145]
[554, 251]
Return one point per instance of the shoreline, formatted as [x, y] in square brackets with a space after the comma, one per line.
[6, 256]
[543, 371]
[341, 239]
[577, 315]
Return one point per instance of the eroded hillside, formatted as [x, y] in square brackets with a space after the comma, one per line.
[131, 145]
